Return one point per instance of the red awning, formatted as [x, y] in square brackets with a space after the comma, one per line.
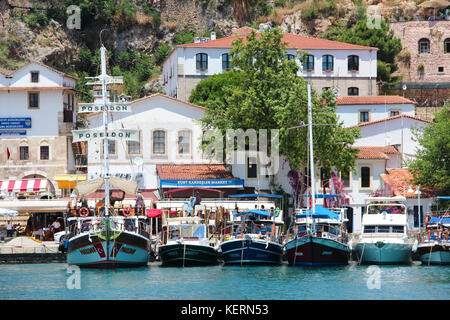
[153, 213]
[26, 185]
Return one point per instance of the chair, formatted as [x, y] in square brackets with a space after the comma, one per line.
[38, 233]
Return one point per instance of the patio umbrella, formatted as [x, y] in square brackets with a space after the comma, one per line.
[435, 4]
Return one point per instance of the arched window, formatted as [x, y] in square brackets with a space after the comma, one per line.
[327, 63]
[424, 45]
[201, 61]
[447, 45]
[353, 91]
[159, 142]
[24, 153]
[309, 62]
[226, 61]
[353, 63]
[184, 142]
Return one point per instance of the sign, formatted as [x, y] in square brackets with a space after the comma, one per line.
[15, 123]
[112, 134]
[202, 183]
[13, 132]
[111, 107]
[108, 80]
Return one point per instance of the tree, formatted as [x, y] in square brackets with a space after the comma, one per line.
[264, 92]
[431, 168]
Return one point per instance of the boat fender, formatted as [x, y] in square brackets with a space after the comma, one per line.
[427, 220]
[127, 211]
[84, 212]
[414, 248]
[277, 212]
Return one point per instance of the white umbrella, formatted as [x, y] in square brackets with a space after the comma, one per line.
[8, 212]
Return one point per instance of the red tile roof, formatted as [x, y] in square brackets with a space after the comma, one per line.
[193, 171]
[6, 72]
[389, 119]
[357, 100]
[369, 152]
[293, 41]
[399, 180]
[35, 88]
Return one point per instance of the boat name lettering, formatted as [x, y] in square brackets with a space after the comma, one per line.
[128, 250]
[88, 250]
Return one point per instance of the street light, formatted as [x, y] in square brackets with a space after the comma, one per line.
[418, 203]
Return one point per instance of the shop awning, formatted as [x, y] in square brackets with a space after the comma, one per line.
[206, 183]
[25, 185]
[69, 181]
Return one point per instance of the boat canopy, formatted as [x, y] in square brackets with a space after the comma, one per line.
[320, 213]
[438, 220]
[255, 195]
[444, 197]
[254, 211]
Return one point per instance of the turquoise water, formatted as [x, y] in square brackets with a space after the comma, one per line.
[49, 282]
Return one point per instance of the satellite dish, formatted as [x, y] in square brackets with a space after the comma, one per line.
[138, 161]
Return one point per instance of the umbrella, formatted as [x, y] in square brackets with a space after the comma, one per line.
[8, 212]
[435, 4]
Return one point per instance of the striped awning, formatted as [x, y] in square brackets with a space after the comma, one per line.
[26, 185]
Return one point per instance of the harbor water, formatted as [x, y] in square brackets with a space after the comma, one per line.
[352, 282]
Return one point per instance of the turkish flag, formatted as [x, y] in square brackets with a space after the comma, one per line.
[7, 153]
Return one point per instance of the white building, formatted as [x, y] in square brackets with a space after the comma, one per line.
[37, 113]
[349, 69]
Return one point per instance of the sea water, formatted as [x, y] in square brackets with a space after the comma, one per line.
[154, 282]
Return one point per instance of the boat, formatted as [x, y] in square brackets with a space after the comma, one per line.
[320, 238]
[186, 238]
[434, 246]
[384, 238]
[105, 236]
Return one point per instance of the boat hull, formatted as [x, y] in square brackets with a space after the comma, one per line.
[436, 254]
[313, 251]
[251, 251]
[184, 254]
[125, 250]
[383, 253]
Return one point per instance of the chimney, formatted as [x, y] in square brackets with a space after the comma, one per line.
[213, 35]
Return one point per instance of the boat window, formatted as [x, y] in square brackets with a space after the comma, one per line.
[369, 229]
[397, 229]
[383, 228]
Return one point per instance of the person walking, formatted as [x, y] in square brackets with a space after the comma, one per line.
[139, 203]
[9, 229]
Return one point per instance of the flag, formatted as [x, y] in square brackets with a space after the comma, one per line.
[8, 155]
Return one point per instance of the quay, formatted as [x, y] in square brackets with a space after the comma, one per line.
[29, 250]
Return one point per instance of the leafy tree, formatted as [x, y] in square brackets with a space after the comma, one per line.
[264, 92]
[431, 168]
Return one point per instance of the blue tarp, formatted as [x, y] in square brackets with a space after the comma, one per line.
[321, 213]
[444, 197]
[439, 220]
[255, 195]
[254, 211]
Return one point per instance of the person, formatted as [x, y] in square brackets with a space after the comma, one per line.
[9, 229]
[112, 200]
[198, 199]
[84, 202]
[56, 225]
[139, 203]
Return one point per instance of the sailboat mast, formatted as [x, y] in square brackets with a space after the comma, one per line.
[105, 126]
[311, 154]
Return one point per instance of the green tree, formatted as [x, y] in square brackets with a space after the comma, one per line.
[431, 168]
[264, 92]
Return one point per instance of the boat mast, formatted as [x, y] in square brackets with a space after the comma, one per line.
[311, 157]
[103, 77]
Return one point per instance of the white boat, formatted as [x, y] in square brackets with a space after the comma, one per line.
[384, 238]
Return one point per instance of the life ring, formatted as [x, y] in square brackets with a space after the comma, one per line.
[277, 212]
[427, 220]
[84, 212]
[128, 211]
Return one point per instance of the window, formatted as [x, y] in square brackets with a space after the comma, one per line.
[365, 177]
[447, 45]
[345, 178]
[394, 113]
[440, 69]
[34, 76]
[397, 229]
[353, 91]
[383, 229]
[353, 63]
[226, 61]
[327, 63]
[134, 147]
[251, 167]
[424, 45]
[202, 61]
[23, 153]
[111, 147]
[159, 142]
[325, 88]
[33, 100]
[290, 57]
[184, 142]
[45, 152]
[369, 229]
[363, 116]
[309, 62]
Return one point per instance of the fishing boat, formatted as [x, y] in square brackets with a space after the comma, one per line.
[105, 236]
[434, 245]
[320, 238]
[384, 238]
[186, 239]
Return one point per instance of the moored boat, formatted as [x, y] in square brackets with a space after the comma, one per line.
[384, 238]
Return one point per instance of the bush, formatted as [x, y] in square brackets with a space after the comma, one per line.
[162, 53]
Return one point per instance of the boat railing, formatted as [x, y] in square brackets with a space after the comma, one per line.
[429, 236]
[393, 235]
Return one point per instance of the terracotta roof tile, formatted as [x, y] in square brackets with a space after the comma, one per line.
[369, 152]
[389, 119]
[6, 72]
[292, 40]
[193, 171]
[357, 100]
[399, 180]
